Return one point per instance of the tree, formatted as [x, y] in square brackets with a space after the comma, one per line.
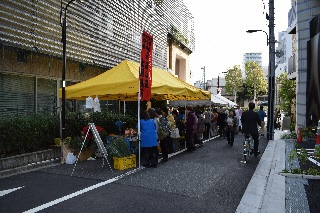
[244, 93]
[255, 79]
[287, 93]
[233, 81]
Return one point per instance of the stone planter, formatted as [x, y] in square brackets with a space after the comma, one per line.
[29, 158]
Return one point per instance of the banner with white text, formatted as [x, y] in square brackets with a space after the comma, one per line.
[146, 67]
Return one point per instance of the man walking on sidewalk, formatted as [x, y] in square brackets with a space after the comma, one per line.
[262, 115]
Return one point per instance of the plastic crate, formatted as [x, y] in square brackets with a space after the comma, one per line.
[125, 162]
[128, 162]
[109, 139]
[119, 163]
[128, 142]
[133, 161]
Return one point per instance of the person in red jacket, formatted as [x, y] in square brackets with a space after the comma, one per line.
[90, 138]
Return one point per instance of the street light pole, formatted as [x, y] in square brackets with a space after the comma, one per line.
[218, 86]
[253, 31]
[204, 77]
[271, 72]
[271, 75]
[63, 23]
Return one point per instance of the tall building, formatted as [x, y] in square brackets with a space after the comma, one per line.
[257, 57]
[248, 57]
[303, 24]
[100, 34]
[283, 52]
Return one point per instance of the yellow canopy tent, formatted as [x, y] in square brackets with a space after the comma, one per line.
[121, 83]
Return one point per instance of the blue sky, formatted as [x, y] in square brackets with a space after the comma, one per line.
[220, 31]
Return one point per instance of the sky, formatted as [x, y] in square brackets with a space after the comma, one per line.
[220, 33]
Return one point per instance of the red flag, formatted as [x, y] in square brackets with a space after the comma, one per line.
[145, 77]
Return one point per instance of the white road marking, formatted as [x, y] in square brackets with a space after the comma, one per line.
[310, 153]
[314, 161]
[59, 200]
[64, 198]
[4, 192]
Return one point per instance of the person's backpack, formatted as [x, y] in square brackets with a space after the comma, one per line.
[215, 117]
[164, 128]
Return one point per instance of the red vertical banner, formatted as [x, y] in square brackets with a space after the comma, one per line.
[145, 77]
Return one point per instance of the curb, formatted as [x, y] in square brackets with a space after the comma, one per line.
[299, 175]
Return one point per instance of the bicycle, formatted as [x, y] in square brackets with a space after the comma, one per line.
[248, 148]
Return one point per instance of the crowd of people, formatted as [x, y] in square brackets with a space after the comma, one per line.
[162, 126]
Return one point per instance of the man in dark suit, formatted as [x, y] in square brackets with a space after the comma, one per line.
[250, 121]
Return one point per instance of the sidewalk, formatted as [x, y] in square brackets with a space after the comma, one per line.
[269, 191]
[266, 191]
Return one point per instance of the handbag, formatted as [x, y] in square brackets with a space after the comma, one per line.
[175, 133]
[201, 129]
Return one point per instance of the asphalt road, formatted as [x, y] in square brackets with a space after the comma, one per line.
[210, 179]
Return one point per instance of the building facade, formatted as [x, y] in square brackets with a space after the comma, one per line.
[303, 24]
[257, 57]
[248, 57]
[100, 34]
[283, 52]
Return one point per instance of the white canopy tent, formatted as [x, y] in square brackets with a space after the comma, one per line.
[218, 101]
[225, 100]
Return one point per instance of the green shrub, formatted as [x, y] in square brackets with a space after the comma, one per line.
[30, 133]
[27, 133]
[117, 148]
[291, 135]
[307, 132]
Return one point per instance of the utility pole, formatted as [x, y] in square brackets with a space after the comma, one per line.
[271, 74]
[218, 86]
[204, 77]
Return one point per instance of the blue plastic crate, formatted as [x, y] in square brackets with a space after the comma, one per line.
[128, 142]
[109, 139]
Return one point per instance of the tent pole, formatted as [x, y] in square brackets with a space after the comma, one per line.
[139, 117]
[124, 107]
[185, 118]
[209, 135]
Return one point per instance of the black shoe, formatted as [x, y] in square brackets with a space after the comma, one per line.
[257, 153]
[154, 165]
[191, 149]
[147, 165]
[164, 160]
